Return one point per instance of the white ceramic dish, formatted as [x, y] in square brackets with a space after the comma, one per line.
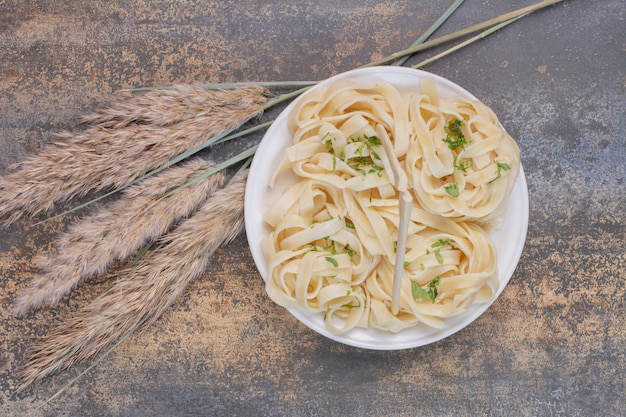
[508, 239]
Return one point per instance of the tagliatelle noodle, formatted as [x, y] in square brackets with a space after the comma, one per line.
[467, 270]
[331, 248]
[382, 104]
[435, 166]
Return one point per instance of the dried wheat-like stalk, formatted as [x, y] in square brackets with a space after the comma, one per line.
[142, 214]
[162, 107]
[147, 290]
[101, 157]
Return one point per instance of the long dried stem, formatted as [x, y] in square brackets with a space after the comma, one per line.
[464, 32]
[102, 157]
[148, 289]
[142, 214]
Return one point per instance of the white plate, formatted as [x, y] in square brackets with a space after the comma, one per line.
[508, 239]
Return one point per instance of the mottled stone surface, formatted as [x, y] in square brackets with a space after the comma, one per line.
[552, 344]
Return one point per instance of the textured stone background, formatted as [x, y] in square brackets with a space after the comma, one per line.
[552, 344]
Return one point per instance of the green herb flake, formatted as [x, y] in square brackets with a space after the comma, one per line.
[462, 165]
[372, 141]
[349, 293]
[332, 261]
[439, 257]
[432, 287]
[443, 242]
[452, 189]
[456, 138]
[501, 166]
[330, 246]
[364, 162]
[428, 293]
[418, 292]
[352, 306]
[329, 146]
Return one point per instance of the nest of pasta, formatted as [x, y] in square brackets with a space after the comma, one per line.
[334, 231]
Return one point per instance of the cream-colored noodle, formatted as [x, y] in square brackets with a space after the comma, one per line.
[332, 243]
[473, 168]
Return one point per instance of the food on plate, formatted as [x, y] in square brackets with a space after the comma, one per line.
[331, 248]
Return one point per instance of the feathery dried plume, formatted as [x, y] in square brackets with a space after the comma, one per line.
[101, 158]
[117, 231]
[162, 107]
[149, 288]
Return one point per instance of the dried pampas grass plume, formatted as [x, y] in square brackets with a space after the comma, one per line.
[127, 141]
[162, 107]
[143, 213]
[147, 290]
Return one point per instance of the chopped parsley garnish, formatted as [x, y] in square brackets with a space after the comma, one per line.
[502, 166]
[329, 145]
[352, 306]
[439, 257]
[443, 242]
[351, 252]
[428, 293]
[363, 159]
[330, 246]
[333, 261]
[452, 189]
[455, 138]
[348, 293]
[462, 165]
[370, 141]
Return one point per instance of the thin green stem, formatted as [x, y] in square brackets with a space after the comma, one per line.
[97, 361]
[285, 97]
[216, 168]
[467, 42]
[431, 29]
[430, 44]
[463, 32]
[243, 166]
[288, 96]
[245, 132]
[230, 85]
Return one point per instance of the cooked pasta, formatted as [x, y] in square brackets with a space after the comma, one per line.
[467, 175]
[333, 231]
